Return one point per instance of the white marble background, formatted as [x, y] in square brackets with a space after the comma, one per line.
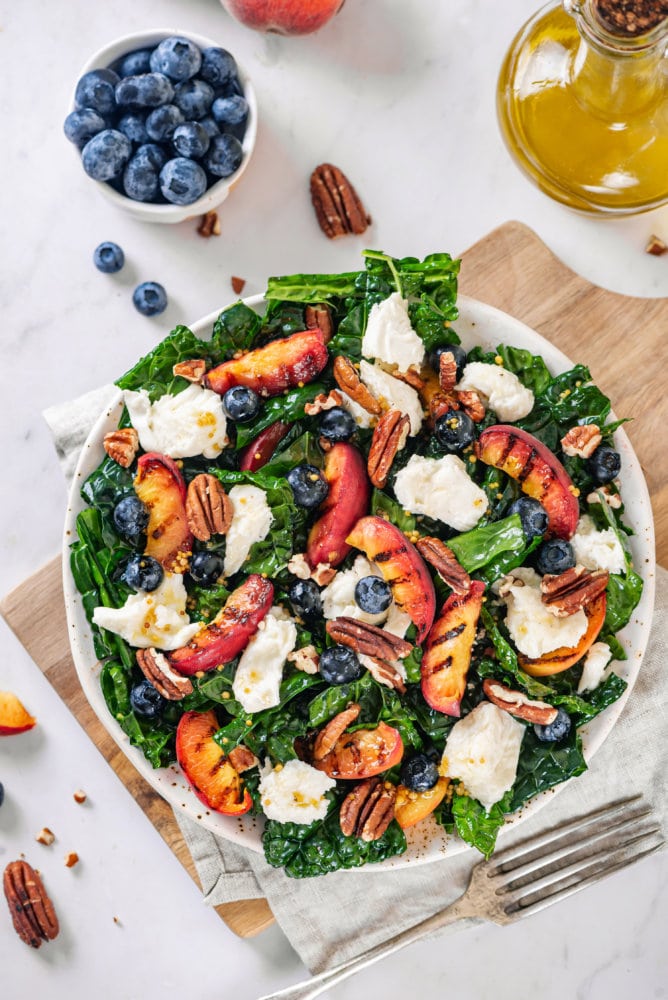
[401, 96]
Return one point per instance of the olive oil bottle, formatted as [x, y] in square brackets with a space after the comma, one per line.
[583, 103]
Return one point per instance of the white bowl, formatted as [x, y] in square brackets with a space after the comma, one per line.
[218, 192]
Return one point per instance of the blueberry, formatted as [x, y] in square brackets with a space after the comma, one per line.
[96, 90]
[176, 57]
[308, 485]
[555, 556]
[146, 701]
[454, 430]
[150, 298]
[105, 155]
[604, 464]
[182, 181]
[135, 63]
[339, 665]
[133, 125]
[555, 731]
[532, 515]
[108, 258]
[210, 125]
[151, 154]
[305, 599]
[148, 90]
[459, 355]
[224, 156]
[218, 66]
[230, 110]
[143, 573]
[373, 595]
[131, 518]
[206, 568]
[241, 403]
[82, 125]
[191, 140]
[419, 773]
[194, 98]
[337, 424]
[141, 180]
[2, 793]
[162, 122]
[232, 88]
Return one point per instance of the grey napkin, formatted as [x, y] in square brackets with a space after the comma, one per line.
[633, 759]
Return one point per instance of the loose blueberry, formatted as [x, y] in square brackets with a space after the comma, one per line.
[148, 90]
[241, 403]
[339, 665]
[373, 595]
[308, 485]
[182, 181]
[454, 430]
[206, 568]
[131, 518]
[218, 66]
[133, 125]
[162, 122]
[96, 90]
[305, 599]
[230, 110]
[532, 515]
[105, 155]
[604, 465]
[141, 180]
[176, 57]
[337, 424]
[555, 556]
[143, 573]
[146, 701]
[210, 125]
[459, 355]
[224, 156]
[191, 140]
[108, 258]
[194, 98]
[2, 793]
[419, 773]
[80, 126]
[557, 730]
[150, 298]
[135, 63]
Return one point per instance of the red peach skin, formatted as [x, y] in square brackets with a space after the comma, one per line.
[214, 781]
[14, 718]
[346, 502]
[282, 364]
[259, 451]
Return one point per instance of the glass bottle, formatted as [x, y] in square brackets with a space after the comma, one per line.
[583, 104]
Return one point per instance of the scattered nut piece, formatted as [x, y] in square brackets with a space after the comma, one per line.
[325, 401]
[305, 659]
[121, 445]
[471, 404]
[242, 759]
[193, 370]
[385, 673]
[337, 205]
[299, 567]
[32, 911]
[209, 225]
[447, 371]
[581, 441]
[411, 378]
[79, 796]
[613, 500]
[71, 859]
[238, 284]
[326, 739]
[323, 574]
[45, 836]
[348, 380]
[656, 246]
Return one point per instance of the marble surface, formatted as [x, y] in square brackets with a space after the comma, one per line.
[401, 96]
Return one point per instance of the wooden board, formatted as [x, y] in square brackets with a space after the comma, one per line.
[623, 340]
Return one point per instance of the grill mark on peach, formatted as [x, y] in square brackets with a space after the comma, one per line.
[388, 554]
[527, 467]
[437, 667]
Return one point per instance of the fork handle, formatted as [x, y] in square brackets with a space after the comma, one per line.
[313, 987]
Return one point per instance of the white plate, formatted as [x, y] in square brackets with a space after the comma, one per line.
[478, 324]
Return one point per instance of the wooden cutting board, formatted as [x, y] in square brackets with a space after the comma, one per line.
[623, 340]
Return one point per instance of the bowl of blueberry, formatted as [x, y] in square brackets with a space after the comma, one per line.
[164, 123]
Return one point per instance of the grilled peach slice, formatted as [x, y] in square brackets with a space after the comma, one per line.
[563, 658]
[401, 565]
[229, 632]
[540, 474]
[259, 451]
[269, 370]
[447, 653]
[346, 502]
[363, 754]
[411, 807]
[14, 718]
[214, 781]
[161, 487]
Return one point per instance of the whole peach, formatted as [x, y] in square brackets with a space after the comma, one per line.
[286, 17]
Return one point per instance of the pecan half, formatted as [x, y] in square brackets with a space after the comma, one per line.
[319, 317]
[325, 401]
[348, 380]
[517, 703]
[444, 561]
[368, 810]
[368, 639]
[337, 205]
[471, 404]
[32, 911]
[447, 371]
[389, 437]
[192, 370]
[121, 445]
[384, 673]
[209, 225]
[326, 739]
[581, 441]
[209, 510]
[566, 593]
[242, 759]
[156, 669]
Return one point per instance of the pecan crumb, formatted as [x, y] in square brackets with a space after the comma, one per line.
[238, 284]
[656, 246]
[71, 859]
[209, 225]
[45, 836]
[79, 796]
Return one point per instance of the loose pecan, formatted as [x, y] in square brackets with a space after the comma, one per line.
[79, 796]
[581, 441]
[389, 437]
[348, 380]
[337, 205]
[444, 561]
[238, 284]
[566, 593]
[209, 510]
[121, 445]
[242, 759]
[71, 859]
[367, 811]
[156, 669]
[325, 401]
[299, 567]
[319, 317]
[329, 734]
[368, 639]
[411, 378]
[447, 371]
[32, 911]
[323, 574]
[45, 836]
[384, 673]
[209, 225]
[656, 246]
[517, 703]
[471, 404]
[193, 369]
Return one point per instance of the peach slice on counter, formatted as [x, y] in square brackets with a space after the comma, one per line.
[346, 502]
[565, 657]
[161, 487]
[281, 364]
[447, 653]
[411, 807]
[14, 718]
[214, 781]
[540, 474]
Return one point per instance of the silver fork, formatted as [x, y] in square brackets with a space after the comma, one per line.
[522, 880]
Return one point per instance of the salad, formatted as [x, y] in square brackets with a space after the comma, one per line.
[351, 575]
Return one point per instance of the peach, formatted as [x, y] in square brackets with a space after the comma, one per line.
[14, 718]
[285, 17]
[259, 451]
[412, 807]
[214, 781]
[447, 653]
[161, 487]
[363, 753]
[563, 658]
[282, 364]
[346, 502]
